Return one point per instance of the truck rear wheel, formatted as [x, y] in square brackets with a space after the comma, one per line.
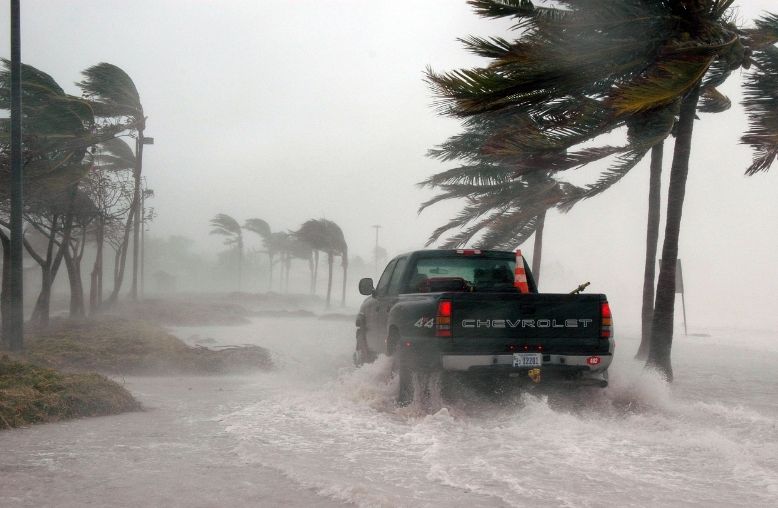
[362, 353]
[405, 394]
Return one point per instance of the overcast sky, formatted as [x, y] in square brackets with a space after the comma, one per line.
[289, 110]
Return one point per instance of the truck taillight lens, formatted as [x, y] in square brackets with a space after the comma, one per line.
[443, 319]
[606, 321]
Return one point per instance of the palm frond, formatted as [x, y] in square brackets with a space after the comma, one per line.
[766, 32]
[225, 225]
[115, 155]
[503, 8]
[258, 226]
[761, 104]
[713, 101]
[112, 91]
[663, 82]
[475, 174]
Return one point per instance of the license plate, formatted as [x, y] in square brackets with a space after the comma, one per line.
[527, 360]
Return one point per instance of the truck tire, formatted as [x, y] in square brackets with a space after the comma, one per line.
[362, 354]
[405, 394]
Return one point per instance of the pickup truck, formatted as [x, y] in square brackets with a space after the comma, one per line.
[477, 311]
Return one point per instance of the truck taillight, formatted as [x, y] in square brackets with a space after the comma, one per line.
[606, 321]
[443, 319]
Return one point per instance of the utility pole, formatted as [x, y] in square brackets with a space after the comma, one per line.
[142, 237]
[16, 304]
[139, 142]
[375, 250]
[146, 193]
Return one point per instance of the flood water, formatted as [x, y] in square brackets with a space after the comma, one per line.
[318, 432]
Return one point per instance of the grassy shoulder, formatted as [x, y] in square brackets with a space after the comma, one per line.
[56, 377]
[31, 394]
[116, 345]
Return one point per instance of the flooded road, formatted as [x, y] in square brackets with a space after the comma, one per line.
[318, 432]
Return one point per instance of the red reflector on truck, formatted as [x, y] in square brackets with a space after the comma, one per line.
[594, 360]
[443, 319]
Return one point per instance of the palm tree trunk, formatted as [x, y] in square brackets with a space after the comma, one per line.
[652, 239]
[330, 255]
[240, 263]
[345, 277]
[537, 250]
[310, 268]
[270, 281]
[315, 271]
[662, 322]
[287, 268]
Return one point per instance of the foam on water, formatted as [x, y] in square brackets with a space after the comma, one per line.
[638, 442]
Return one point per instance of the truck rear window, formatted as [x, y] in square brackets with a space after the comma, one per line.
[467, 273]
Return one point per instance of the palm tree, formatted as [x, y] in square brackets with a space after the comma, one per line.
[609, 64]
[295, 248]
[262, 228]
[228, 227]
[339, 247]
[113, 95]
[325, 236]
[59, 129]
[509, 208]
[312, 232]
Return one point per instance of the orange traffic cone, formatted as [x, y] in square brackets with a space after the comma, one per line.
[520, 275]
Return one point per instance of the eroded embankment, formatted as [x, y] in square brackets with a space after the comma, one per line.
[31, 394]
[57, 376]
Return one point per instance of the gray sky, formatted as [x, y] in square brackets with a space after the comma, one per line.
[289, 110]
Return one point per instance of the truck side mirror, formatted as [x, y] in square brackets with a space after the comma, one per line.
[366, 286]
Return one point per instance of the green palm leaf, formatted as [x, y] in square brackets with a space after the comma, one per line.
[761, 104]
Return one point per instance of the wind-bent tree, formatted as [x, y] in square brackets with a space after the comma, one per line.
[506, 208]
[262, 228]
[277, 244]
[51, 215]
[59, 129]
[112, 94]
[110, 185]
[84, 212]
[326, 236]
[312, 232]
[228, 227]
[295, 248]
[632, 63]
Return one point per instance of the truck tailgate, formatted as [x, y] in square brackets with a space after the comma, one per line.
[553, 323]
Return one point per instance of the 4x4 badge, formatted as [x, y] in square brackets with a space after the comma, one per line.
[424, 322]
